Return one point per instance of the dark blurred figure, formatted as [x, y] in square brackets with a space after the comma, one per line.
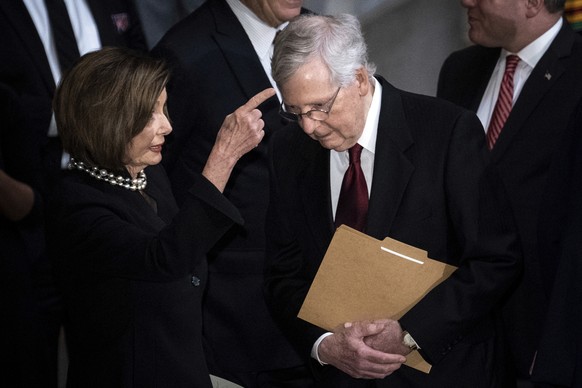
[30, 68]
[220, 57]
[157, 17]
[558, 361]
[29, 328]
[573, 13]
[547, 85]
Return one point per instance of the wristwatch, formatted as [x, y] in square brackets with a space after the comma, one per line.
[407, 340]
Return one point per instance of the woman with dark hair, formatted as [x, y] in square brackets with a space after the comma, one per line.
[131, 265]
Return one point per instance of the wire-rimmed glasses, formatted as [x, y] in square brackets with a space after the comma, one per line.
[314, 114]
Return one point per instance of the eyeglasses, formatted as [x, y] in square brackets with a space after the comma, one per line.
[314, 114]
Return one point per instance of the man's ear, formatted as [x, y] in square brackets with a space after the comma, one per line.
[363, 81]
[534, 7]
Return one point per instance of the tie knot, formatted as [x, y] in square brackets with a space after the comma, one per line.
[355, 153]
[511, 63]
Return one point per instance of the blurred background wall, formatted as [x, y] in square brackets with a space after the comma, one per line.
[407, 39]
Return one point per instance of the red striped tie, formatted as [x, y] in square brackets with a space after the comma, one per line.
[504, 101]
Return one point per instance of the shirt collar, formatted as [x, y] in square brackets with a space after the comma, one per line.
[260, 33]
[368, 138]
[533, 52]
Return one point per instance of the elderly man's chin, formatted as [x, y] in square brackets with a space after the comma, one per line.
[327, 142]
[336, 144]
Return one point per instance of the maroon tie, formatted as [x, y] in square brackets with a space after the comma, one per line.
[504, 101]
[352, 207]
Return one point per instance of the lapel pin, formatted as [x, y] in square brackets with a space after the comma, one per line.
[548, 75]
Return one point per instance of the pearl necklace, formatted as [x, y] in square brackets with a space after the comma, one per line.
[138, 183]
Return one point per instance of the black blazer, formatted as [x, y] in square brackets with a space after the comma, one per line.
[523, 154]
[132, 279]
[431, 188]
[216, 70]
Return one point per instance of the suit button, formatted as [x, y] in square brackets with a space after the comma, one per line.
[195, 281]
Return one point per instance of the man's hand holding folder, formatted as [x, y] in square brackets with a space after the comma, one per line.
[347, 351]
[369, 283]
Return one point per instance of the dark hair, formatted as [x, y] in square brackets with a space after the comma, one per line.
[104, 101]
[554, 6]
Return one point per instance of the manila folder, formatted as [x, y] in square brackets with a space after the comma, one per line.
[361, 278]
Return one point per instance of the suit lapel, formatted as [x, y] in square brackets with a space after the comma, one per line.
[313, 182]
[479, 79]
[466, 78]
[104, 29]
[17, 14]
[392, 168]
[543, 77]
[243, 60]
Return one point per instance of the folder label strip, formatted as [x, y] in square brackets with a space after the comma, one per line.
[401, 255]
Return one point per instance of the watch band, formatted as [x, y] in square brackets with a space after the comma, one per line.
[407, 340]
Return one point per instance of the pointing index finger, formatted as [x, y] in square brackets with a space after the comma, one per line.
[258, 99]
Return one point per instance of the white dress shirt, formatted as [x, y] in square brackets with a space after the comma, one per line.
[83, 24]
[529, 58]
[339, 161]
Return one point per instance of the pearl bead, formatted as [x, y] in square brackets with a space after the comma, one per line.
[138, 183]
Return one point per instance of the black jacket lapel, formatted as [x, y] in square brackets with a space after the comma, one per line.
[392, 169]
[543, 77]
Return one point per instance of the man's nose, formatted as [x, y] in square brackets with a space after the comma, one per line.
[307, 124]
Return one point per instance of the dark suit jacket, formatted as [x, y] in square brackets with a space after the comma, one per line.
[13, 142]
[216, 70]
[132, 279]
[523, 155]
[559, 359]
[25, 68]
[22, 245]
[432, 189]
